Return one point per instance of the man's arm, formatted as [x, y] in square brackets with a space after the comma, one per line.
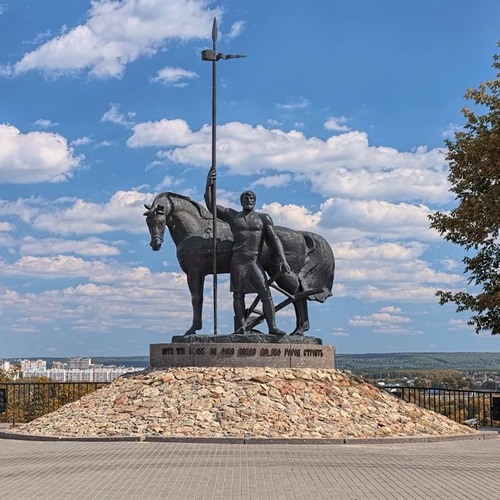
[222, 212]
[275, 243]
[208, 189]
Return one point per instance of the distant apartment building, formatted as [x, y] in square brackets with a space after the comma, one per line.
[75, 370]
[57, 375]
[101, 374]
[79, 363]
[5, 365]
[30, 365]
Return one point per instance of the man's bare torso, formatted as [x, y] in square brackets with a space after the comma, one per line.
[247, 232]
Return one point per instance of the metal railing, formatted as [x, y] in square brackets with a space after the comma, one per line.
[457, 404]
[25, 401]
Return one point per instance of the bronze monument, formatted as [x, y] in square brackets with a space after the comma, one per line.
[308, 255]
[246, 244]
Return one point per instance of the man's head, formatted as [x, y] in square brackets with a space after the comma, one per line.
[247, 200]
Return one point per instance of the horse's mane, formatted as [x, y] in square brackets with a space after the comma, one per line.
[204, 213]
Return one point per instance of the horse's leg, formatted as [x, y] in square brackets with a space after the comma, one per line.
[302, 317]
[196, 280]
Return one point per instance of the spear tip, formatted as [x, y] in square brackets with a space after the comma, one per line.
[214, 30]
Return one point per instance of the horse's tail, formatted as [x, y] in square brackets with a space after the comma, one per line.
[318, 271]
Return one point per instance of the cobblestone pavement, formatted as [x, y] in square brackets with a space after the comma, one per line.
[149, 470]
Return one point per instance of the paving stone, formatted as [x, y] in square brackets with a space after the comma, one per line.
[458, 470]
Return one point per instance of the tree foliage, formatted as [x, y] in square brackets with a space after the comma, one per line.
[5, 376]
[474, 160]
[30, 398]
[443, 379]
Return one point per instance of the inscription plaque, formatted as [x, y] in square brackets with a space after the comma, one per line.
[252, 354]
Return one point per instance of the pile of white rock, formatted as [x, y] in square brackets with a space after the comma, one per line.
[242, 402]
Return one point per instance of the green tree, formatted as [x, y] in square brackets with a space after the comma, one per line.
[474, 160]
[11, 374]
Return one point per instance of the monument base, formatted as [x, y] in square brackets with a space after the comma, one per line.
[230, 354]
[246, 338]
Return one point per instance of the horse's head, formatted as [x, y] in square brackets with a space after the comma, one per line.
[156, 219]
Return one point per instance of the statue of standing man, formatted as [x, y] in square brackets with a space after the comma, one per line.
[250, 230]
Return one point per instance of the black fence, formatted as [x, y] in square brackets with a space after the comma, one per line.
[457, 404]
[25, 401]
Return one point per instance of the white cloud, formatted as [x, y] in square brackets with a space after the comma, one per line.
[81, 141]
[271, 181]
[377, 319]
[117, 33]
[34, 157]
[459, 324]
[408, 290]
[372, 271]
[339, 332]
[92, 247]
[377, 217]
[45, 123]
[292, 106]
[7, 241]
[344, 165]
[236, 30]
[274, 123]
[337, 124]
[410, 272]
[5, 226]
[385, 322]
[390, 309]
[105, 144]
[450, 264]
[175, 77]
[450, 131]
[360, 173]
[294, 216]
[66, 266]
[123, 212]
[162, 133]
[25, 209]
[113, 115]
[397, 330]
[115, 297]
[39, 38]
[167, 182]
[364, 250]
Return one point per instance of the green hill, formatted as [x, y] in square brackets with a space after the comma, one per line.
[366, 363]
[463, 361]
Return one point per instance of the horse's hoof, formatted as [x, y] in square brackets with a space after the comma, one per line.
[297, 334]
[188, 333]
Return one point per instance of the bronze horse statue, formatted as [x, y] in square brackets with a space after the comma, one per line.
[190, 224]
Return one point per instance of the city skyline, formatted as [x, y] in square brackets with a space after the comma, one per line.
[336, 118]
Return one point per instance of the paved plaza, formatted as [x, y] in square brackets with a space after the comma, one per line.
[155, 470]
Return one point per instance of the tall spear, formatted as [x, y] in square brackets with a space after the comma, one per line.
[213, 56]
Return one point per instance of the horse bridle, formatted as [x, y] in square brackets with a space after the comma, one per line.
[157, 210]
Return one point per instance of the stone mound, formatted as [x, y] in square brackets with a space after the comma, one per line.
[242, 402]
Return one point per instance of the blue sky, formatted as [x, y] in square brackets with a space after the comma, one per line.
[337, 119]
